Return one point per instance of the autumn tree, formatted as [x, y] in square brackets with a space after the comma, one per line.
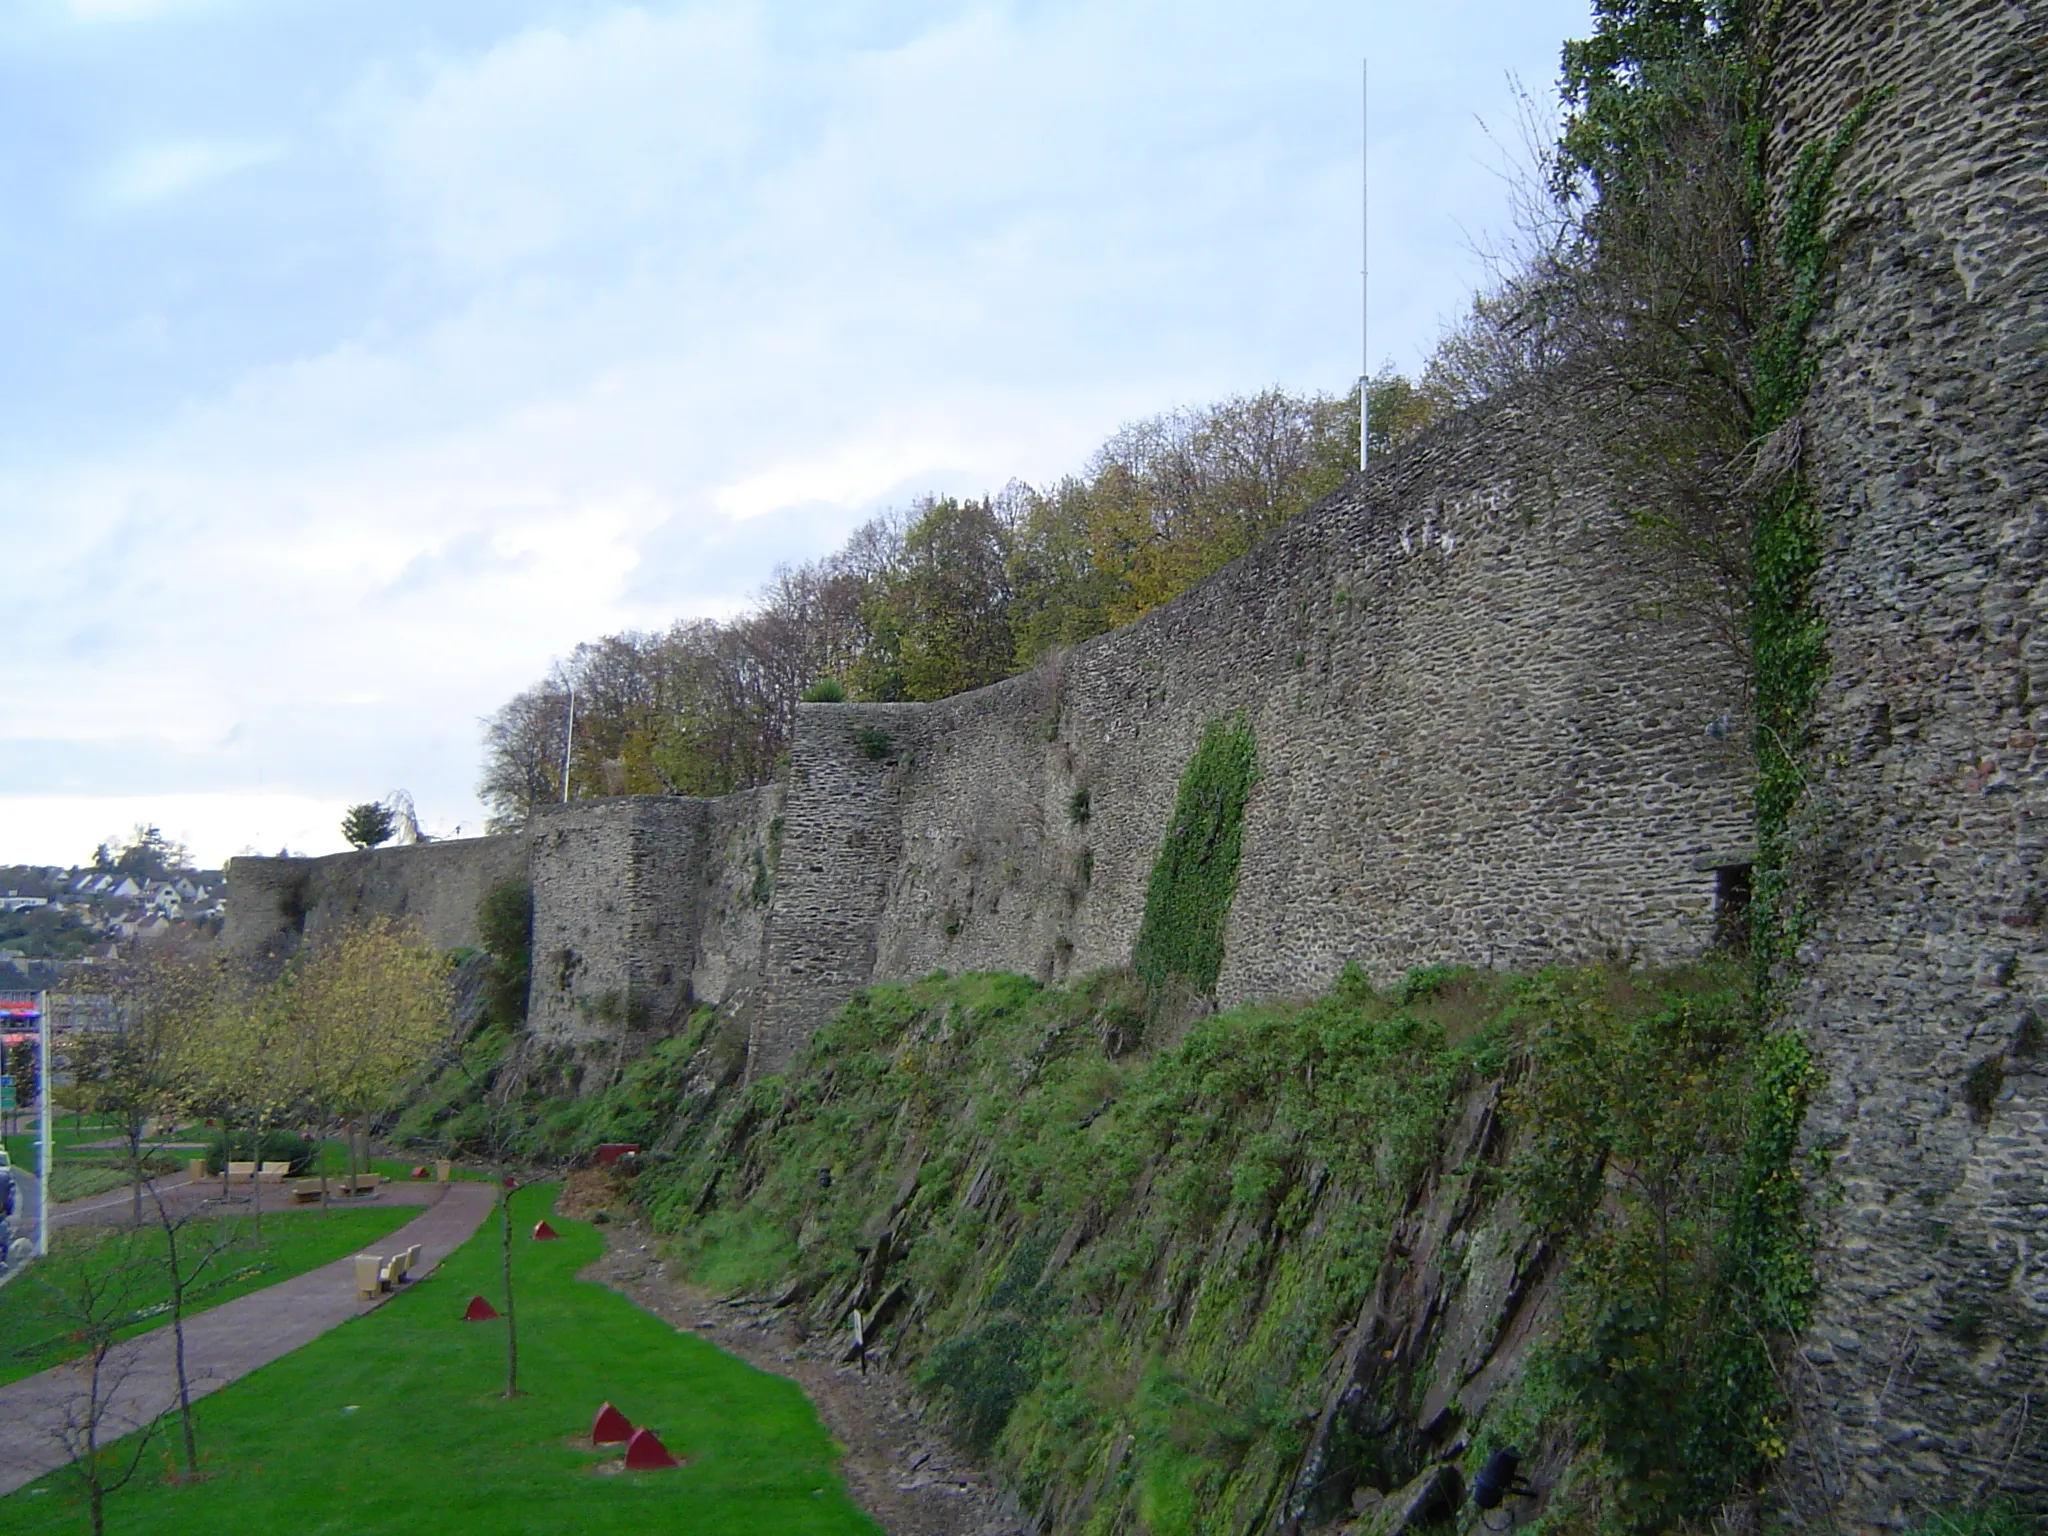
[938, 621]
[371, 1003]
[139, 1067]
[253, 1066]
[949, 595]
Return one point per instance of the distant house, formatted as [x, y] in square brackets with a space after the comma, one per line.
[13, 903]
[127, 890]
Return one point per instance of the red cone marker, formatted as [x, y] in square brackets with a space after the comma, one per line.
[644, 1453]
[612, 1427]
[480, 1311]
[543, 1233]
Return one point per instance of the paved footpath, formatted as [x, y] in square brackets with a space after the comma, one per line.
[221, 1345]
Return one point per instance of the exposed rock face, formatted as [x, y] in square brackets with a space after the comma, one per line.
[1926, 971]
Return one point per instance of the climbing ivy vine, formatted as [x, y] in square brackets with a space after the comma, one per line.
[1194, 878]
[1648, 60]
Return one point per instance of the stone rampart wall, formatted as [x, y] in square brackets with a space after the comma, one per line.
[643, 907]
[272, 903]
[842, 832]
[1926, 970]
[1485, 736]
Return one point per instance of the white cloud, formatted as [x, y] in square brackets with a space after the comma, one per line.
[156, 172]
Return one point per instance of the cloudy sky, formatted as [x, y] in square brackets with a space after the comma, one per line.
[362, 356]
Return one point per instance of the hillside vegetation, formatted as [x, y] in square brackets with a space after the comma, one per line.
[1209, 1276]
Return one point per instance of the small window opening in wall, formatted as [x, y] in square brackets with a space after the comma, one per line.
[1732, 874]
[1731, 908]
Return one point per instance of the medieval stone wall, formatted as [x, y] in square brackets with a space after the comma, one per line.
[840, 840]
[644, 906]
[1925, 967]
[1486, 735]
[272, 903]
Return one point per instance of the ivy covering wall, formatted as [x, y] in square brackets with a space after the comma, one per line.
[1187, 902]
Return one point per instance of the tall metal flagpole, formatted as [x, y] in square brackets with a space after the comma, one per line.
[1365, 259]
[569, 739]
[42, 1124]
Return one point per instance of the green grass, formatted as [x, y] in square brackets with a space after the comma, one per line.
[75, 1174]
[21, 1146]
[293, 1242]
[77, 1180]
[394, 1423]
[334, 1158]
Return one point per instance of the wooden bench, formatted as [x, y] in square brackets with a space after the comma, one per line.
[245, 1171]
[273, 1173]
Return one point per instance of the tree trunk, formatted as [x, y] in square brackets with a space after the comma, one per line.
[178, 1339]
[95, 1483]
[511, 1323]
[135, 1165]
[256, 1180]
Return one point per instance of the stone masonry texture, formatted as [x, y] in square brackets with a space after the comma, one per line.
[642, 907]
[1486, 735]
[1925, 973]
[272, 903]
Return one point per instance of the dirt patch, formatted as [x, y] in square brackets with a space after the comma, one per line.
[904, 1475]
[589, 1191]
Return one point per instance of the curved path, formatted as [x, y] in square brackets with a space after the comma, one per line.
[221, 1345]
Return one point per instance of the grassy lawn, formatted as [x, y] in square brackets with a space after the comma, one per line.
[75, 1174]
[394, 1423]
[75, 1180]
[293, 1242]
[334, 1158]
[21, 1146]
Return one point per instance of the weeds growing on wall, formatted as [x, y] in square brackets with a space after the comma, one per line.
[1788, 636]
[1194, 878]
[1126, 1279]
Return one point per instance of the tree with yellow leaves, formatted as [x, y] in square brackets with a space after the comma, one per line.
[157, 1002]
[252, 1067]
[371, 1004]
